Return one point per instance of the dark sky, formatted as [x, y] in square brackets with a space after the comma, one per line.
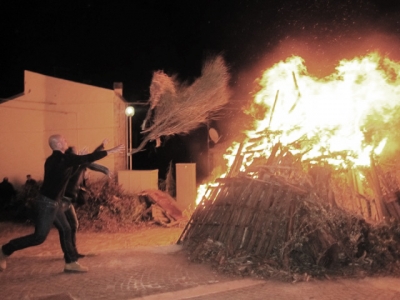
[101, 42]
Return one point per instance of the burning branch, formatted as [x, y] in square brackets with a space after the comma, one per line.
[178, 108]
[313, 191]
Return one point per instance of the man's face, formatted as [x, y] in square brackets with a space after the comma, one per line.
[63, 144]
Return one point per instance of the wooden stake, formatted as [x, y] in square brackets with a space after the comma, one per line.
[273, 108]
[379, 199]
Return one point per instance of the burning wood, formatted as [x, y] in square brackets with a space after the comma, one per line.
[285, 224]
[178, 108]
[307, 193]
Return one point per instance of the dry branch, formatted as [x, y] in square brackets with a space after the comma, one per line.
[284, 215]
[178, 108]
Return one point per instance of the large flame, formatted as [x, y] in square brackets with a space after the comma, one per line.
[331, 113]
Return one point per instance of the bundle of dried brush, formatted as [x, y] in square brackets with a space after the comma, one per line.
[178, 108]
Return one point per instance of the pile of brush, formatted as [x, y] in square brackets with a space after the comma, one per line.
[282, 219]
[109, 208]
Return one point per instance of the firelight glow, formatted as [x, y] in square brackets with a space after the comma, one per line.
[332, 110]
[331, 113]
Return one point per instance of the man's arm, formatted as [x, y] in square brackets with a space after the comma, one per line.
[73, 159]
[118, 149]
[101, 146]
[99, 168]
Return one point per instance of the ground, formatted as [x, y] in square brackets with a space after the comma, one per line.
[130, 265]
[88, 241]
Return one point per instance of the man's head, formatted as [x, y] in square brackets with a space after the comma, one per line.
[58, 142]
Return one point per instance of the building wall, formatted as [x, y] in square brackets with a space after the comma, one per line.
[84, 114]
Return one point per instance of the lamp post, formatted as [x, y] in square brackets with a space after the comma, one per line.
[129, 112]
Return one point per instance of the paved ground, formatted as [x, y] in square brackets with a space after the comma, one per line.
[146, 264]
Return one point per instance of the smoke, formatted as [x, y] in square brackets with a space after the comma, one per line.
[322, 55]
[321, 32]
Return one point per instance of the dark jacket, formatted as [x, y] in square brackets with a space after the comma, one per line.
[58, 168]
[76, 180]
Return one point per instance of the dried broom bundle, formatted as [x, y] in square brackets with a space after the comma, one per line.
[161, 84]
[178, 108]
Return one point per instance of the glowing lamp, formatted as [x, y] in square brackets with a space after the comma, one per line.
[129, 111]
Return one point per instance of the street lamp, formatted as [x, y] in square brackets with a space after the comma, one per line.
[129, 112]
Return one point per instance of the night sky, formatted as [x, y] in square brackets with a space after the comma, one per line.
[101, 42]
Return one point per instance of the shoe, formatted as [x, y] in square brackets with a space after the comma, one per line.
[75, 267]
[3, 263]
[89, 254]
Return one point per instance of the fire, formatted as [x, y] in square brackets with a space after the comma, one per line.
[330, 113]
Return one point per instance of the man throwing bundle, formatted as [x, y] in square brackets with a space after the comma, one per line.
[57, 171]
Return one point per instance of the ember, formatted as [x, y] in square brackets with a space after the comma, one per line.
[312, 189]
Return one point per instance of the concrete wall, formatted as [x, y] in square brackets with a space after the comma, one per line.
[84, 114]
[186, 191]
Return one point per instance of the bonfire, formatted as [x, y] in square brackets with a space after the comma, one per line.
[312, 191]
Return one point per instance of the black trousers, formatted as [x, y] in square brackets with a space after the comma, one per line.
[47, 213]
[72, 219]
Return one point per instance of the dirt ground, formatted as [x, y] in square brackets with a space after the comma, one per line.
[140, 236]
[135, 274]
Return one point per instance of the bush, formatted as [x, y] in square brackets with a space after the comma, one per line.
[110, 208]
[107, 208]
[20, 209]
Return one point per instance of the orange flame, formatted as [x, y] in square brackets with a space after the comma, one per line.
[331, 113]
[332, 110]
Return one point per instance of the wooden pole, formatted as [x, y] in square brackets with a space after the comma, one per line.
[356, 190]
[298, 92]
[379, 199]
[235, 167]
[273, 108]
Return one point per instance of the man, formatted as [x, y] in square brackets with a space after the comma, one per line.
[75, 183]
[7, 193]
[57, 171]
[29, 180]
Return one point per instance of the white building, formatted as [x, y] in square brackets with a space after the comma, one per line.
[84, 114]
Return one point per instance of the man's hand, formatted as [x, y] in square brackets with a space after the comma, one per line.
[105, 142]
[118, 149]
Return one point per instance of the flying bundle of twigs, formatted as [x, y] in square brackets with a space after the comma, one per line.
[178, 108]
